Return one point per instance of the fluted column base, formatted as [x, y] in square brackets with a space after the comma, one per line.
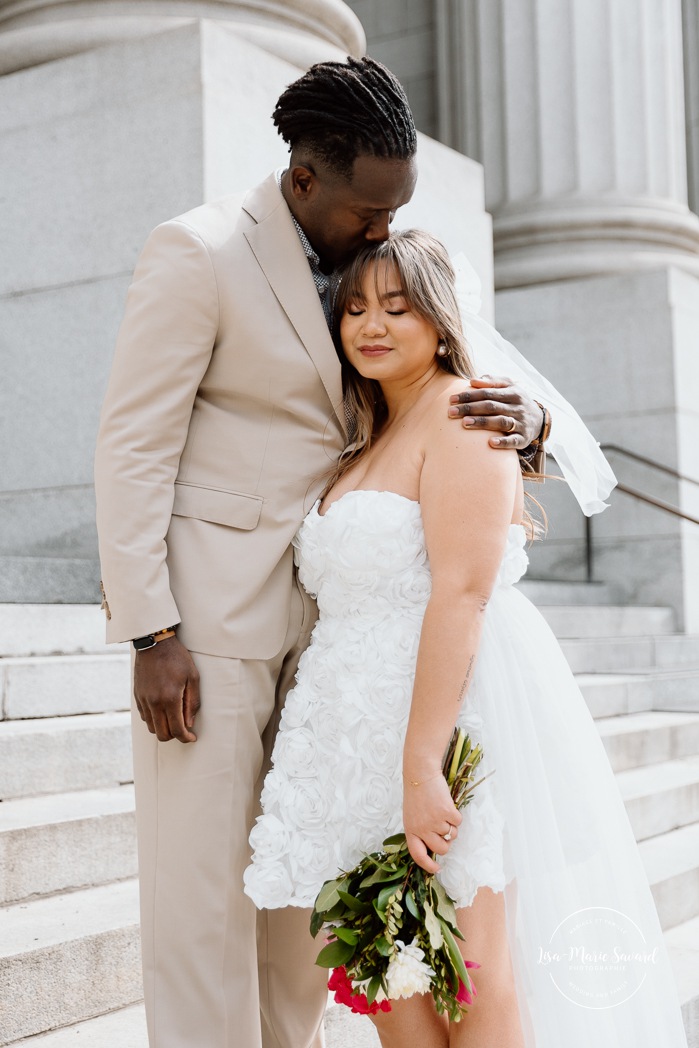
[299, 31]
[571, 240]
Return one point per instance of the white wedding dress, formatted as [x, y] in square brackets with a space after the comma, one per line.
[548, 827]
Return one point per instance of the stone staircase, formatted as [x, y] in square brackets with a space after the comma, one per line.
[69, 955]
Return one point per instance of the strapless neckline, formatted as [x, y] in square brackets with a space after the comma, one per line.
[375, 491]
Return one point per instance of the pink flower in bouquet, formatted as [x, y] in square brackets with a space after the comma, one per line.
[345, 993]
[466, 996]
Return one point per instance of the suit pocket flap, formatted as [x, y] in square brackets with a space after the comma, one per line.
[231, 508]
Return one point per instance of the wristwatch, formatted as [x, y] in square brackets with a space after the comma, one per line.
[545, 430]
[151, 639]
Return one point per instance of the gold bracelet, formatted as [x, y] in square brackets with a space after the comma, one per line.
[421, 782]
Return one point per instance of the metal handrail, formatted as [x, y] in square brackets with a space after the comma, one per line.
[648, 462]
[641, 496]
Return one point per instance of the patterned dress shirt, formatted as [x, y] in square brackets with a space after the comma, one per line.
[326, 283]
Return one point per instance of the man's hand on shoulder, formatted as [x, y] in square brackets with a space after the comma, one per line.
[499, 405]
[166, 689]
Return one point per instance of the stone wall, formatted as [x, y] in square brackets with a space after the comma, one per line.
[401, 34]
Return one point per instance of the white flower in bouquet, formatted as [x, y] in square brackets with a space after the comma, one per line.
[407, 973]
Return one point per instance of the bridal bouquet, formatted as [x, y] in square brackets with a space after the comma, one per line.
[391, 925]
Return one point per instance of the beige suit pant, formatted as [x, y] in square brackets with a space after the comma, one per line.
[202, 938]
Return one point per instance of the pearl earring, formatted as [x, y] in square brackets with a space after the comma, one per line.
[442, 349]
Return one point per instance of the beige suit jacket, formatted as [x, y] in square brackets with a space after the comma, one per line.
[223, 411]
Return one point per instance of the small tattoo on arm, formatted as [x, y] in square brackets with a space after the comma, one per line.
[467, 679]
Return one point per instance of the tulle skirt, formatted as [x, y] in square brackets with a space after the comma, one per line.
[548, 828]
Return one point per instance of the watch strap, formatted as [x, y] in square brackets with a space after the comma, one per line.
[151, 639]
[545, 430]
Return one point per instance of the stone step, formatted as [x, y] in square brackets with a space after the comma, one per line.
[677, 650]
[68, 958]
[631, 654]
[62, 754]
[52, 629]
[613, 694]
[126, 1028]
[123, 1028]
[543, 593]
[671, 862]
[683, 946]
[661, 797]
[64, 685]
[343, 1029]
[571, 621]
[49, 578]
[53, 686]
[636, 739]
[67, 840]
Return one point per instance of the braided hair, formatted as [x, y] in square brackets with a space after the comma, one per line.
[341, 110]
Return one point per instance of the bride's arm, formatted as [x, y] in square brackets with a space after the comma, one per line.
[465, 538]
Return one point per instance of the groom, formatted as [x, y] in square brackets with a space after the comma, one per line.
[223, 413]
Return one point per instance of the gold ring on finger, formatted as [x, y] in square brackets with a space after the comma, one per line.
[512, 426]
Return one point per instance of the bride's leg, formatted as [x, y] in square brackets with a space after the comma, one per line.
[493, 1020]
[412, 1023]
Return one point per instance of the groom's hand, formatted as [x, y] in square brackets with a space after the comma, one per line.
[498, 404]
[166, 689]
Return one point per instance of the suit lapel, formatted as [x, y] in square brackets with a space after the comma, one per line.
[278, 250]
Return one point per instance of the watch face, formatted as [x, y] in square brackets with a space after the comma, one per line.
[142, 643]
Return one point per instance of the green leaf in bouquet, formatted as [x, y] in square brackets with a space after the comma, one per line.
[384, 874]
[455, 954]
[347, 935]
[386, 894]
[434, 927]
[420, 881]
[335, 954]
[338, 912]
[395, 843]
[352, 903]
[384, 947]
[376, 877]
[443, 904]
[460, 745]
[379, 911]
[328, 895]
[373, 988]
[412, 904]
[369, 935]
[317, 922]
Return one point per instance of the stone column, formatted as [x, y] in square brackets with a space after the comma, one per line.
[690, 33]
[298, 31]
[576, 112]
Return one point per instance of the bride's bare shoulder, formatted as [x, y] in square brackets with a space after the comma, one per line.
[446, 386]
[443, 430]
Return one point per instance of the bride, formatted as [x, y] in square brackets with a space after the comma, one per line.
[412, 554]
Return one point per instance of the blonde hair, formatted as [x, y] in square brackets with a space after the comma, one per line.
[427, 282]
